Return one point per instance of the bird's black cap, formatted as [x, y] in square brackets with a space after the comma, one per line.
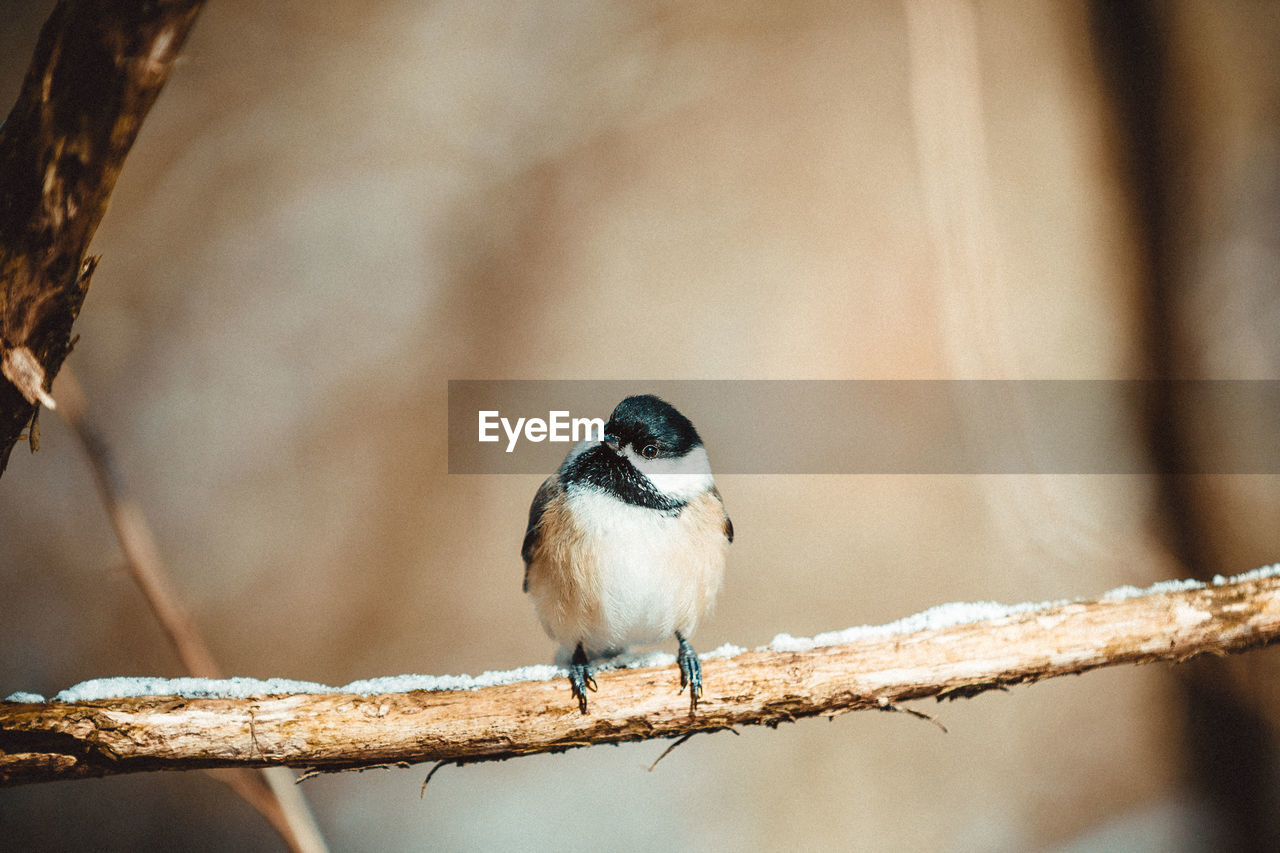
[645, 419]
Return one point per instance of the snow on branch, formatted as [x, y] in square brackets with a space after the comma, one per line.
[114, 726]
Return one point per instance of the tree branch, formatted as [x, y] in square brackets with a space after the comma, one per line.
[927, 655]
[271, 790]
[98, 67]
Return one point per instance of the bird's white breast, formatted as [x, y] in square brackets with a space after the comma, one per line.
[624, 575]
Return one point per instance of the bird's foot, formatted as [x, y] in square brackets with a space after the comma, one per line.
[580, 677]
[690, 672]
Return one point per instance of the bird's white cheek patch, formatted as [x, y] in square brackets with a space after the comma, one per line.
[680, 479]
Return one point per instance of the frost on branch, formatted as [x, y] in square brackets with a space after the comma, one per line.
[109, 726]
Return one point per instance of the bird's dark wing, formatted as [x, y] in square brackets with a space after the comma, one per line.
[549, 489]
[728, 525]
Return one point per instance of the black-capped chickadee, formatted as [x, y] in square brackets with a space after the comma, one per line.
[626, 543]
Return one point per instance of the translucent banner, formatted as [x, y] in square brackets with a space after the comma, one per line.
[889, 426]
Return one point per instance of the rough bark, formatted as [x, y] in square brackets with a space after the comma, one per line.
[49, 741]
[98, 67]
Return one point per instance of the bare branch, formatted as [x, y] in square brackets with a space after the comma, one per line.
[137, 543]
[336, 731]
[273, 790]
[98, 67]
[97, 70]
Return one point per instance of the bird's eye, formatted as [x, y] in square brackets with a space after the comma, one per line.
[649, 451]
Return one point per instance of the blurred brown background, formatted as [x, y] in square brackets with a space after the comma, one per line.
[335, 208]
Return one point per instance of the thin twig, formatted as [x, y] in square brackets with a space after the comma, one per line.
[682, 740]
[137, 543]
[272, 791]
[422, 792]
[892, 707]
[313, 772]
[678, 742]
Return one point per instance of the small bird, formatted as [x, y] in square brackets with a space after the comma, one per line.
[626, 543]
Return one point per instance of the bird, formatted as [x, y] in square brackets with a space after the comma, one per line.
[627, 543]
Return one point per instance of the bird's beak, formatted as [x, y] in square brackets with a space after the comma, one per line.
[612, 442]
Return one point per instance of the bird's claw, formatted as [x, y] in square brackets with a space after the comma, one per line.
[690, 672]
[580, 678]
[581, 681]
